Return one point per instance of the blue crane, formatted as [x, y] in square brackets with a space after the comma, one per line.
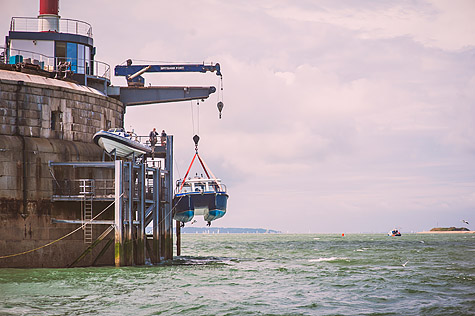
[137, 94]
[133, 72]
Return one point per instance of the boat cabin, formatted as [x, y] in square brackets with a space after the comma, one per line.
[200, 185]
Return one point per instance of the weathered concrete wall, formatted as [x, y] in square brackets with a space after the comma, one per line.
[27, 225]
[19, 234]
[24, 165]
[28, 141]
[26, 108]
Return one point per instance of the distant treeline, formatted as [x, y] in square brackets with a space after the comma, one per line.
[224, 230]
[449, 229]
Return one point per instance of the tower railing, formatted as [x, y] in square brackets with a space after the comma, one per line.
[95, 68]
[40, 24]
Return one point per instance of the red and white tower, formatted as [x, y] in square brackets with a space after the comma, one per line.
[48, 20]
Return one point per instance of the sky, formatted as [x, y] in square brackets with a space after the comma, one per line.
[339, 116]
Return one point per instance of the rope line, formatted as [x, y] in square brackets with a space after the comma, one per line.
[205, 166]
[75, 230]
[61, 238]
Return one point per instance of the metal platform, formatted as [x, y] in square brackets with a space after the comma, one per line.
[141, 195]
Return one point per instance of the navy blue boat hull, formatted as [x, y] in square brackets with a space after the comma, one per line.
[212, 204]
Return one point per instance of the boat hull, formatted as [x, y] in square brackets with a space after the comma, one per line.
[212, 205]
[123, 146]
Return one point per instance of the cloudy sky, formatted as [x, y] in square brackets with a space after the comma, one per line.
[340, 116]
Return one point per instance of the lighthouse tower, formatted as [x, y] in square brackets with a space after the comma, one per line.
[49, 17]
[50, 41]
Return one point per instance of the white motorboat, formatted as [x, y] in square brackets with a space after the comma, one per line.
[199, 196]
[119, 140]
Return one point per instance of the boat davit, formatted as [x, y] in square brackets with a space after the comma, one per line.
[121, 141]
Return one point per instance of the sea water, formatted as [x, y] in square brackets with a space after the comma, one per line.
[264, 274]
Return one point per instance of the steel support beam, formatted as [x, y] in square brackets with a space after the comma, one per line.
[155, 217]
[149, 95]
[93, 245]
[129, 243]
[95, 222]
[168, 217]
[141, 218]
[86, 164]
[119, 247]
[178, 237]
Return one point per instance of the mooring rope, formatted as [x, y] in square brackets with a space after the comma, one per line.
[61, 238]
[69, 234]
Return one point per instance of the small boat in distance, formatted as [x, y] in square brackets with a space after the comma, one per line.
[394, 232]
[199, 196]
[119, 140]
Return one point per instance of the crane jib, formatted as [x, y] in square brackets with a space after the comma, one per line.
[122, 70]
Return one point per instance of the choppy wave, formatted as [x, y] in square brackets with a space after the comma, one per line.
[263, 275]
[328, 259]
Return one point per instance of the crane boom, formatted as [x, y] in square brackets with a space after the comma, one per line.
[133, 72]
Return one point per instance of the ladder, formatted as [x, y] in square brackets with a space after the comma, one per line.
[88, 218]
[86, 187]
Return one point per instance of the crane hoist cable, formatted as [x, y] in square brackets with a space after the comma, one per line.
[220, 104]
[197, 125]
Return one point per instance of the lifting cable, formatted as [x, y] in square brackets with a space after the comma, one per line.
[205, 167]
[197, 131]
[220, 104]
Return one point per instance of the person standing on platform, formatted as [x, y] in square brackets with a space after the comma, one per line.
[163, 138]
[153, 140]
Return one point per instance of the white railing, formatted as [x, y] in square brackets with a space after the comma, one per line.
[80, 66]
[42, 24]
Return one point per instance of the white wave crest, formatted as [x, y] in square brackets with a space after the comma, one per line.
[327, 259]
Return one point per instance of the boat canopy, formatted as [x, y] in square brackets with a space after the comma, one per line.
[200, 185]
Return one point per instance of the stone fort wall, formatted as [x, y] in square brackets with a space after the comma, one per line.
[41, 107]
[44, 120]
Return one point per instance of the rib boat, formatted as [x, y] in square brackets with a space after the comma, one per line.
[394, 233]
[200, 196]
[119, 140]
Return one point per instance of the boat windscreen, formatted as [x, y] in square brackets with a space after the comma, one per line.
[205, 186]
[116, 130]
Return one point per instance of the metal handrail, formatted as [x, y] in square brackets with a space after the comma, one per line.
[86, 187]
[30, 24]
[48, 63]
[146, 140]
[81, 187]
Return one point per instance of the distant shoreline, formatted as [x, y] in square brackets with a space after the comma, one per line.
[449, 232]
